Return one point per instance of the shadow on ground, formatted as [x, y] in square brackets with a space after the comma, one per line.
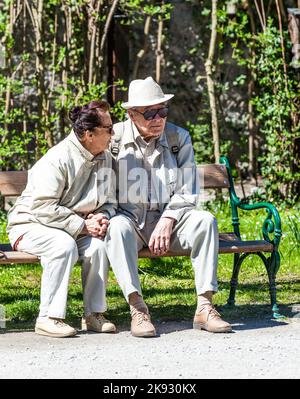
[242, 317]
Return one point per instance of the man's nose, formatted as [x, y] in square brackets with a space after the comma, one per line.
[157, 116]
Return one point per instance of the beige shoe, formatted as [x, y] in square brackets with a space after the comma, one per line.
[98, 323]
[210, 320]
[141, 325]
[54, 328]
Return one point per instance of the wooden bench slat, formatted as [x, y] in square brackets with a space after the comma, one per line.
[11, 256]
[225, 247]
[18, 257]
[12, 183]
[213, 176]
[229, 243]
[245, 247]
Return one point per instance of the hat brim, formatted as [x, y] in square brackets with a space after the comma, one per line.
[128, 104]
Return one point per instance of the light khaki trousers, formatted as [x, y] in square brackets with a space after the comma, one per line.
[59, 252]
[196, 231]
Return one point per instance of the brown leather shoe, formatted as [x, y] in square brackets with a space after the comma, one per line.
[141, 325]
[98, 323]
[207, 318]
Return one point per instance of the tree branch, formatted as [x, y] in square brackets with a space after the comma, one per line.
[105, 31]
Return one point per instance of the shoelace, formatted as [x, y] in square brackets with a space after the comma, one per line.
[101, 318]
[141, 316]
[212, 312]
[60, 323]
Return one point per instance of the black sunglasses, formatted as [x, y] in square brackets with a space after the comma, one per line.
[151, 113]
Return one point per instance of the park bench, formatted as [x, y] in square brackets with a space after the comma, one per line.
[215, 176]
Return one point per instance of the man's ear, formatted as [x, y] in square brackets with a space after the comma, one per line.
[131, 115]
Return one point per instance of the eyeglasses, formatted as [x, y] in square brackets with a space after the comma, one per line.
[150, 114]
[109, 129]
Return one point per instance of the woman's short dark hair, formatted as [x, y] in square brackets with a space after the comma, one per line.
[88, 117]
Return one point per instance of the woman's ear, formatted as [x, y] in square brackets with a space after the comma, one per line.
[86, 137]
[88, 134]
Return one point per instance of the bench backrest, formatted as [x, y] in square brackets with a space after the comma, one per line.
[13, 183]
[214, 176]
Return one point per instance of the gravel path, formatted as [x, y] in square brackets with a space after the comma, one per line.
[256, 349]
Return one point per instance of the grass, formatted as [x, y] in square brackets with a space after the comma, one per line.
[168, 284]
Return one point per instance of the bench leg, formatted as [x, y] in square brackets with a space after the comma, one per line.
[272, 265]
[237, 261]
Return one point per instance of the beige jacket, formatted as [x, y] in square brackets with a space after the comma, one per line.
[63, 187]
[174, 178]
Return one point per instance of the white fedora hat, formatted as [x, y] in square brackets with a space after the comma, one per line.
[144, 92]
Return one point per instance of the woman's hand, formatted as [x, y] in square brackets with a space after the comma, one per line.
[96, 225]
[159, 242]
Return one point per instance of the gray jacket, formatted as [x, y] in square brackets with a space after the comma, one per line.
[63, 187]
[174, 176]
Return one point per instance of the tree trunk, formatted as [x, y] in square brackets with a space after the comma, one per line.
[25, 160]
[251, 127]
[158, 50]
[94, 26]
[36, 14]
[282, 47]
[8, 66]
[53, 61]
[105, 32]
[143, 51]
[261, 14]
[251, 88]
[210, 82]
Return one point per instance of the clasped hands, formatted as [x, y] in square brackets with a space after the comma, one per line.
[96, 225]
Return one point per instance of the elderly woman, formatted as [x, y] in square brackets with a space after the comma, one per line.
[62, 217]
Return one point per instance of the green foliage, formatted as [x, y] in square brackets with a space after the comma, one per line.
[34, 101]
[275, 106]
[275, 100]
[202, 142]
[134, 11]
[43, 76]
[293, 224]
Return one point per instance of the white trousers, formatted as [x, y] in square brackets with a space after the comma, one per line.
[59, 252]
[196, 230]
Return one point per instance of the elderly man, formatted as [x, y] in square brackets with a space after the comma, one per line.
[158, 191]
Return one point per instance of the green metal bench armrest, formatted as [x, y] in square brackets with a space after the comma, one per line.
[270, 225]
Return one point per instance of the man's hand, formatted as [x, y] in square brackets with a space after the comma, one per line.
[96, 225]
[159, 242]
